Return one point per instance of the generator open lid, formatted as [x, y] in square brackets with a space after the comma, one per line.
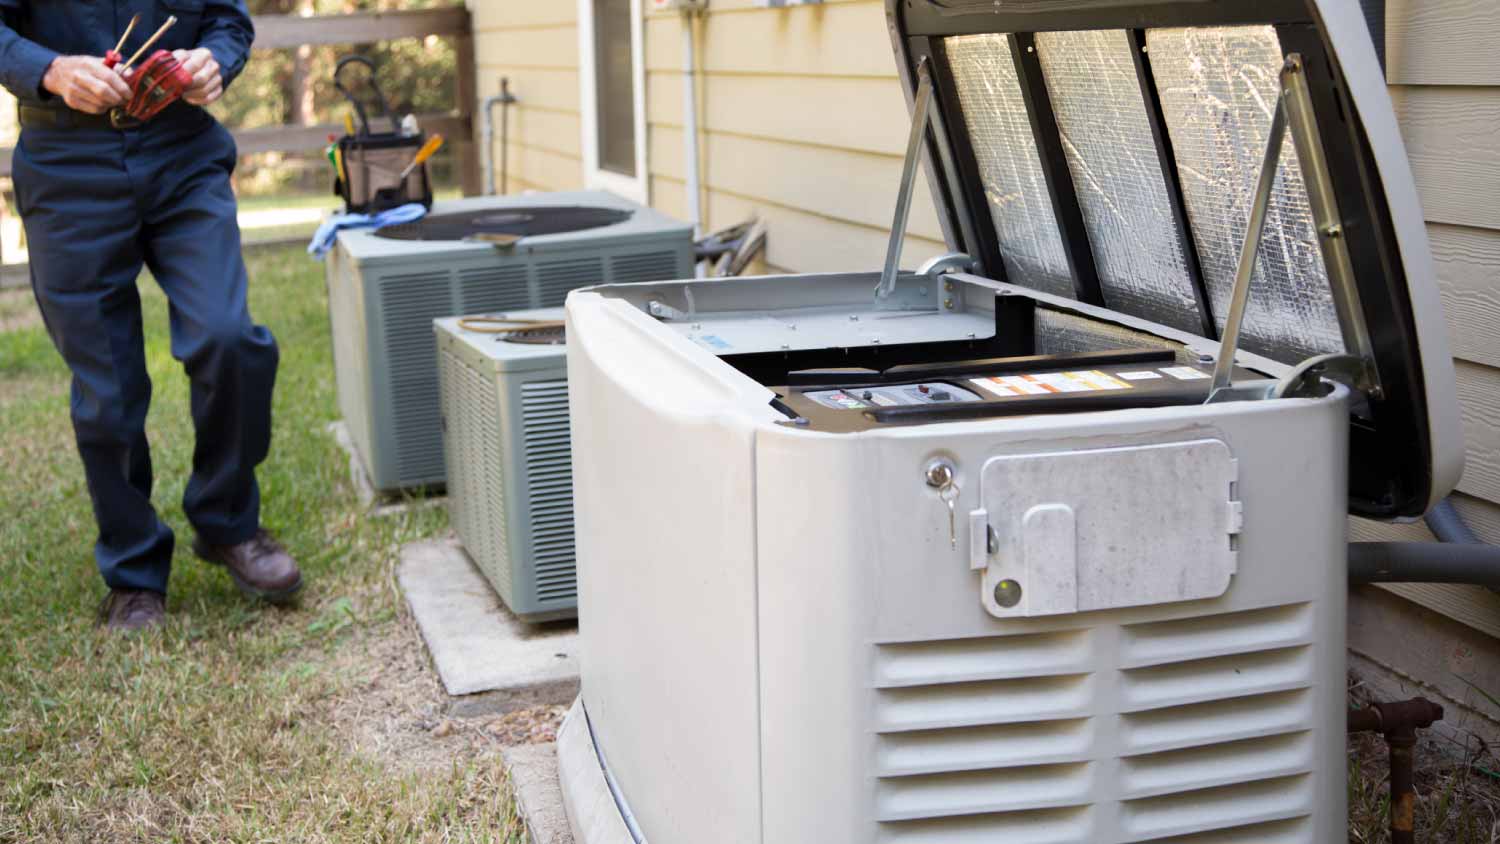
[1113, 154]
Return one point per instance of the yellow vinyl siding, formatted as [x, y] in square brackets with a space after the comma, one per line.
[801, 120]
[1452, 140]
[536, 46]
[1442, 42]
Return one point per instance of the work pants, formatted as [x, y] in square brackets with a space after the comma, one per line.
[98, 204]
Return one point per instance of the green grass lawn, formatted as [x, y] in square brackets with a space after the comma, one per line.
[238, 722]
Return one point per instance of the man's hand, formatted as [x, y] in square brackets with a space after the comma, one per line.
[85, 84]
[207, 85]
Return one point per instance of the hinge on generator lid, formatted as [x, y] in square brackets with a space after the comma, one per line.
[1236, 506]
[981, 541]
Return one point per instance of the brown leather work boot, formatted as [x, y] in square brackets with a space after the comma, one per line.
[128, 610]
[261, 568]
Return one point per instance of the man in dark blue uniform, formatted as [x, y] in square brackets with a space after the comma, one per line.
[101, 197]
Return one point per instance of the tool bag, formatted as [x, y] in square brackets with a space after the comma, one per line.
[370, 163]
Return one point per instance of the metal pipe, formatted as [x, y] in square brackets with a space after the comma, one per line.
[1424, 562]
[690, 119]
[1230, 340]
[1398, 723]
[921, 108]
[1401, 745]
[504, 99]
[507, 101]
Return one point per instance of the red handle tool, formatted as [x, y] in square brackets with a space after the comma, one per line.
[158, 83]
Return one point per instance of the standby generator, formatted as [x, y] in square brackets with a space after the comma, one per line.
[1044, 544]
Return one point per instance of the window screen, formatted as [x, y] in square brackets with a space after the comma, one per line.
[1218, 88]
[1010, 167]
[1117, 174]
[614, 69]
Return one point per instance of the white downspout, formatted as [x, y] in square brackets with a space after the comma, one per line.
[690, 120]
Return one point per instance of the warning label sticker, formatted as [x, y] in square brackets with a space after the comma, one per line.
[843, 400]
[1184, 373]
[1042, 383]
[1143, 375]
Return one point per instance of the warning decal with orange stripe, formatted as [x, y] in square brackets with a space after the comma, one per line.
[1041, 383]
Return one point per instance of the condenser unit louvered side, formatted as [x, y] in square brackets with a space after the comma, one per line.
[405, 309]
[549, 494]
[509, 462]
[384, 295]
[485, 290]
[474, 439]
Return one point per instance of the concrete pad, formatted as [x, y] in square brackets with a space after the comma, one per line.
[380, 505]
[533, 776]
[491, 661]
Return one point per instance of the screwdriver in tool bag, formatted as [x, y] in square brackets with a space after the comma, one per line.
[432, 146]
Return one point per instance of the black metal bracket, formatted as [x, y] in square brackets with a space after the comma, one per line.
[1168, 160]
[1055, 169]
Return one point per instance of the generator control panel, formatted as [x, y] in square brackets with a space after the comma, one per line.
[903, 395]
[853, 399]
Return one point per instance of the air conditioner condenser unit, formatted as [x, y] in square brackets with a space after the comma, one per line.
[510, 489]
[481, 255]
[1045, 544]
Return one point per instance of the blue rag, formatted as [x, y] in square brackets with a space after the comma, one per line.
[322, 240]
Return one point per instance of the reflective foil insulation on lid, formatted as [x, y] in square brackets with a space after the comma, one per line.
[1219, 87]
[1117, 173]
[989, 92]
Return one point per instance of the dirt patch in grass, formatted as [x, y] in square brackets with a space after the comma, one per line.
[393, 707]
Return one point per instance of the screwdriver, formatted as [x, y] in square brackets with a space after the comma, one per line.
[432, 146]
[171, 21]
[114, 57]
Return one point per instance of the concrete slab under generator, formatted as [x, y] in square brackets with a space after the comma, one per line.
[533, 777]
[379, 505]
[488, 660]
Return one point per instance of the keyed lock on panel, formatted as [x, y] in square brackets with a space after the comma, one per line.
[942, 476]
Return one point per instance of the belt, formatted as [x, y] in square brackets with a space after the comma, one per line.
[37, 117]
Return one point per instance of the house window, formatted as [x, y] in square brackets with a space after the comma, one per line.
[612, 71]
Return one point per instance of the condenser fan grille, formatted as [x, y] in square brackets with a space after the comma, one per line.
[542, 335]
[520, 222]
